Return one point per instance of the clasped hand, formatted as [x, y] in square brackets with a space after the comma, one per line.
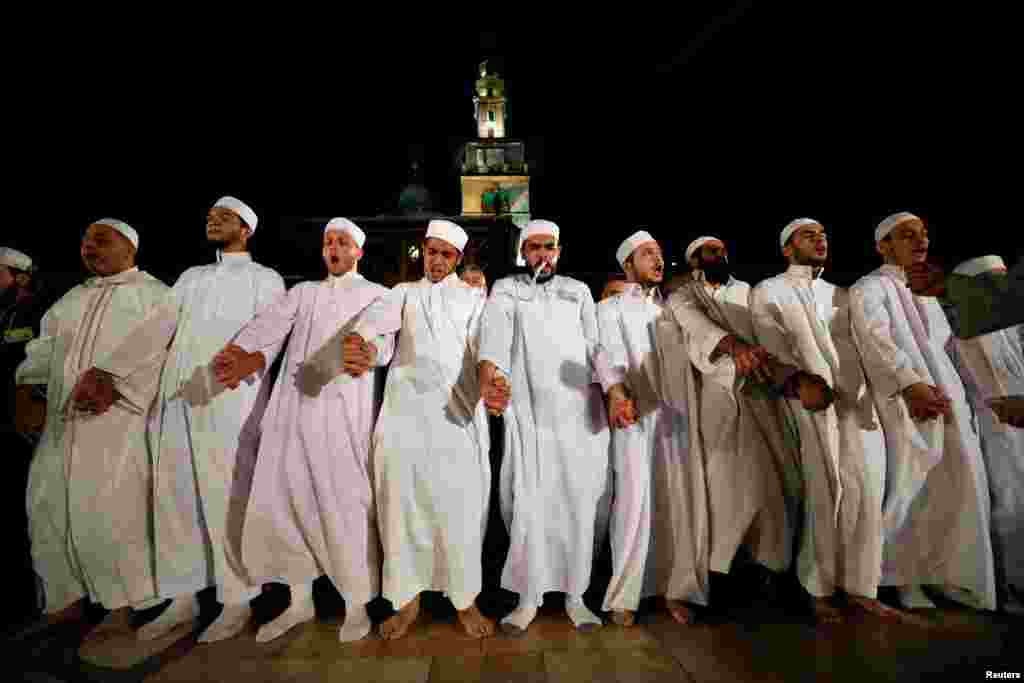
[926, 402]
[494, 388]
[233, 364]
[621, 408]
[94, 392]
[357, 354]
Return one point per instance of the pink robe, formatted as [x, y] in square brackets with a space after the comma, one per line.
[311, 509]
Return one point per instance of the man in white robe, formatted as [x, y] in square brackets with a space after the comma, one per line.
[752, 478]
[538, 342]
[803, 321]
[89, 484]
[659, 512]
[430, 459]
[201, 438]
[936, 507]
[311, 510]
[992, 366]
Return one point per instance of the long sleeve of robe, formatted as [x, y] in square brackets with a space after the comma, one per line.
[801, 320]
[659, 513]
[936, 507]
[90, 478]
[429, 453]
[753, 485]
[555, 466]
[203, 437]
[311, 510]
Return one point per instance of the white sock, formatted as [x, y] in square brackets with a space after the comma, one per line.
[912, 597]
[357, 624]
[582, 618]
[522, 616]
[182, 609]
[230, 623]
[299, 611]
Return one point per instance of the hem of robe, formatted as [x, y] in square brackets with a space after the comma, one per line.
[560, 588]
[692, 596]
[464, 598]
[307, 578]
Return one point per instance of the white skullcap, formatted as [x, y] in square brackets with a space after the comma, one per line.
[630, 244]
[887, 225]
[240, 208]
[345, 225]
[539, 227]
[977, 266]
[449, 232]
[792, 227]
[698, 243]
[122, 227]
[15, 259]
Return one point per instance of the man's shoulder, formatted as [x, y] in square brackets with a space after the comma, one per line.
[566, 282]
[266, 271]
[738, 285]
[777, 281]
[872, 282]
[152, 282]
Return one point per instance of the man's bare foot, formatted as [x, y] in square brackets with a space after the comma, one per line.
[623, 617]
[824, 612]
[876, 608]
[398, 625]
[475, 624]
[680, 612]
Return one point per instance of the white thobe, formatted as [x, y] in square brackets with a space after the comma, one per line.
[803, 321]
[992, 365]
[202, 437]
[936, 507]
[555, 466]
[659, 512]
[90, 478]
[311, 509]
[751, 471]
[431, 471]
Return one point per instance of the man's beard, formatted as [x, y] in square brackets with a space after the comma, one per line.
[717, 273]
[545, 276]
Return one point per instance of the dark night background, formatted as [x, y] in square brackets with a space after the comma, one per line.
[718, 118]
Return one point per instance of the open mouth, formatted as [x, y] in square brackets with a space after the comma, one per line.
[335, 260]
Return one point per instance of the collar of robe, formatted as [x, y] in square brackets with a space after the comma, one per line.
[230, 257]
[896, 272]
[116, 279]
[339, 280]
[805, 272]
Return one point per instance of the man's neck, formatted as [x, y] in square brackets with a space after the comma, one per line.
[233, 248]
[815, 268]
[23, 295]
